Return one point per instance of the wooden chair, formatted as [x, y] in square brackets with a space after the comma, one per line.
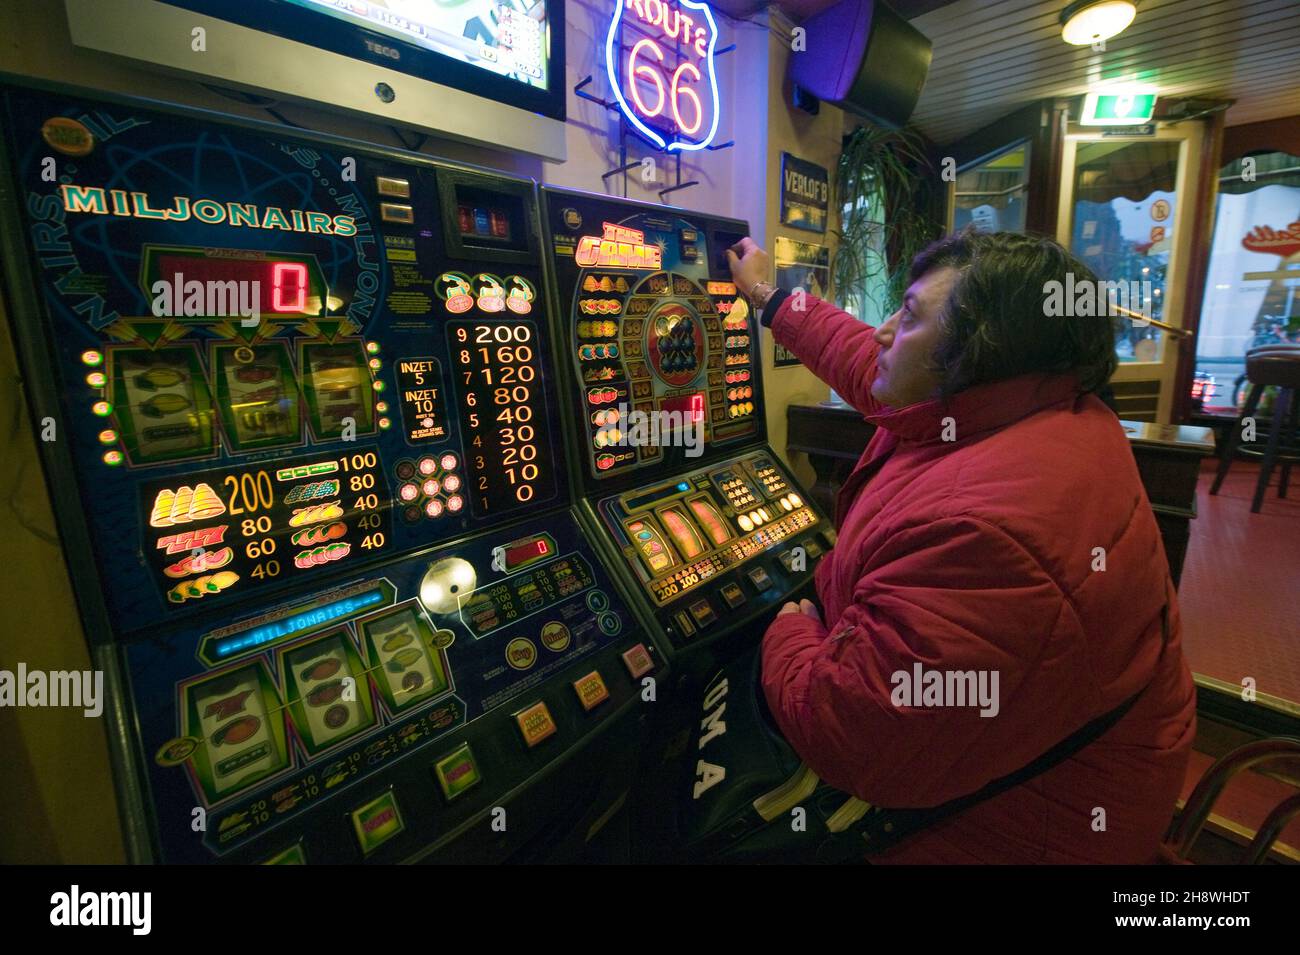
[1184, 830]
[1268, 365]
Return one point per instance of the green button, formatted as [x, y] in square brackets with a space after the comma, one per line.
[457, 772]
[294, 855]
[377, 821]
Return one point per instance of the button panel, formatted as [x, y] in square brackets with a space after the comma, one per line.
[396, 212]
[591, 690]
[377, 821]
[703, 613]
[457, 772]
[535, 723]
[638, 661]
[391, 186]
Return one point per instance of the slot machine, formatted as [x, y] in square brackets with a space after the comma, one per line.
[309, 488]
[660, 356]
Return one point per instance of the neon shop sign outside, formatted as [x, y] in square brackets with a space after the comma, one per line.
[662, 74]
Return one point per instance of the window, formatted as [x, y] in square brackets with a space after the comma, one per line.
[1252, 288]
[990, 196]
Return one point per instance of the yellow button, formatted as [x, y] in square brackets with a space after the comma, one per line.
[591, 690]
[388, 186]
[535, 723]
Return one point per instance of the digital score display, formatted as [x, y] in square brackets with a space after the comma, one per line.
[690, 407]
[419, 382]
[235, 529]
[284, 284]
[497, 376]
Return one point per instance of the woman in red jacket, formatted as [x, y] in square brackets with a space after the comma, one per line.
[999, 581]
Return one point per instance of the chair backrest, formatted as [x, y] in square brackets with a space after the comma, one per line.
[1184, 830]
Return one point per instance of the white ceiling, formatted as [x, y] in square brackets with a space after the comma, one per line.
[994, 56]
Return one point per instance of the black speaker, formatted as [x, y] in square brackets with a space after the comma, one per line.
[866, 59]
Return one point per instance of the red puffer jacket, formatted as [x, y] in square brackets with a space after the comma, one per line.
[985, 553]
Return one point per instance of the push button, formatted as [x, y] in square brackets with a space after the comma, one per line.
[535, 723]
[760, 579]
[638, 661]
[732, 595]
[389, 186]
[456, 772]
[812, 548]
[377, 821]
[591, 690]
[787, 558]
[396, 212]
[703, 613]
[294, 855]
[684, 625]
[829, 537]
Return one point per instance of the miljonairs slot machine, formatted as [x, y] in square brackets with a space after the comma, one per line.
[661, 357]
[305, 476]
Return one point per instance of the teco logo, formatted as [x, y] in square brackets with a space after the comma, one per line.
[388, 51]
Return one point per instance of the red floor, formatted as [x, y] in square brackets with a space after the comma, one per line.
[1240, 590]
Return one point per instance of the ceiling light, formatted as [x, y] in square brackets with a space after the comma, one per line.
[1089, 21]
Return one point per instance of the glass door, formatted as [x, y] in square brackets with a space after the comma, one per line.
[1125, 211]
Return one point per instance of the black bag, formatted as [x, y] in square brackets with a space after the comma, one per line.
[747, 782]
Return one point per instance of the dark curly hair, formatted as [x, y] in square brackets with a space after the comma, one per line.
[994, 321]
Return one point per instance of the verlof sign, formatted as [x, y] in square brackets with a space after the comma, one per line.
[805, 193]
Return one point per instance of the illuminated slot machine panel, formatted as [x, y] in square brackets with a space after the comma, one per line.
[279, 360]
[656, 339]
[293, 376]
[665, 389]
[716, 544]
[371, 719]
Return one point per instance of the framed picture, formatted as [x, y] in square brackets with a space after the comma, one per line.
[800, 265]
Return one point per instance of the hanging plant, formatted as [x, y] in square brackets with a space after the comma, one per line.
[882, 225]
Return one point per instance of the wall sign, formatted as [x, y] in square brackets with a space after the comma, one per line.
[800, 265]
[805, 193]
[659, 57]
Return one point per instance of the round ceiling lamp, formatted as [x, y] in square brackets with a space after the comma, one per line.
[1090, 21]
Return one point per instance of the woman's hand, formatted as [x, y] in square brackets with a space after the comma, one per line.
[749, 264]
[805, 607]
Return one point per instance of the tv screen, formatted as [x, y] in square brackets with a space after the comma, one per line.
[511, 51]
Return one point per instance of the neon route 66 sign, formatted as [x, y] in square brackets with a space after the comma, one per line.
[662, 75]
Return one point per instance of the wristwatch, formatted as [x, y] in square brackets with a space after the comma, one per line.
[759, 294]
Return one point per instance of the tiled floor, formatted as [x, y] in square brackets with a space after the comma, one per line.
[1240, 590]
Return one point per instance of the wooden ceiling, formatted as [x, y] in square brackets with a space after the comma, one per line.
[992, 57]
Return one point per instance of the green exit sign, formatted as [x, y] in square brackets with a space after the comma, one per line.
[1118, 109]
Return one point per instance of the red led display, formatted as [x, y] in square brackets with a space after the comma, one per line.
[691, 406]
[283, 287]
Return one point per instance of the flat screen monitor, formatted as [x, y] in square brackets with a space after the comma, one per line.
[487, 71]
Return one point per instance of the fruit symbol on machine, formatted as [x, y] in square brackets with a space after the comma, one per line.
[676, 344]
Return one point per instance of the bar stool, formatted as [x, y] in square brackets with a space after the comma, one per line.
[1266, 366]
